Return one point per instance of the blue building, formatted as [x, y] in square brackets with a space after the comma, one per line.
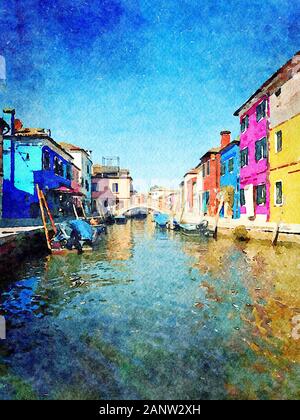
[32, 157]
[229, 176]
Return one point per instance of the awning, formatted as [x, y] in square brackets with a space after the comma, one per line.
[66, 190]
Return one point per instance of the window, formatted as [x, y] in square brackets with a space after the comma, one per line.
[278, 193]
[223, 168]
[278, 92]
[94, 187]
[244, 123]
[261, 110]
[82, 182]
[87, 185]
[88, 169]
[208, 167]
[203, 170]
[46, 160]
[242, 197]
[244, 157]
[261, 194]
[115, 187]
[261, 149]
[58, 166]
[278, 141]
[230, 165]
[69, 172]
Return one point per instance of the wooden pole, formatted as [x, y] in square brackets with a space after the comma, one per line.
[43, 217]
[75, 211]
[44, 201]
[82, 208]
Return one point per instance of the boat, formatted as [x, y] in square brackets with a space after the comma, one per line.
[121, 220]
[201, 229]
[140, 215]
[189, 229]
[110, 220]
[161, 220]
[75, 236]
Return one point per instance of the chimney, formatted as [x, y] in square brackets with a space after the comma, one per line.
[225, 138]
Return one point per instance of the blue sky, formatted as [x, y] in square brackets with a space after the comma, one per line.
[151, 81]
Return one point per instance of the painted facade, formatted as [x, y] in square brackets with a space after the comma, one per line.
[83, 161]
[110, 189]
[254, 184]
[285, 151]
[30, 160]
[230, 177]
[210, 164]
[273, 104]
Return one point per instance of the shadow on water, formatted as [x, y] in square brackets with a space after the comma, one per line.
[153, 314]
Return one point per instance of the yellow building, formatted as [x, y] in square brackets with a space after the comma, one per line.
[284, 145]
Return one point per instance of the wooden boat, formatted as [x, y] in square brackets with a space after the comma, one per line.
[189, 229]
[121, 220]
[71, 236]
[201, 229]
[161, 220]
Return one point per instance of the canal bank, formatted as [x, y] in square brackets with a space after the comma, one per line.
[17, 243]
[153, 314]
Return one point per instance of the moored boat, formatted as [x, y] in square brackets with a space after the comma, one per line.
[75, 235]
[121, 220]
[161, 220]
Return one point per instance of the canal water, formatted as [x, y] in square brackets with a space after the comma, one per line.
[153, 315]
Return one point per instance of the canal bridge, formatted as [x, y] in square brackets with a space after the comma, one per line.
[152, 205]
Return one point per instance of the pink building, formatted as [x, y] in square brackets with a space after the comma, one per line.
[254, 185]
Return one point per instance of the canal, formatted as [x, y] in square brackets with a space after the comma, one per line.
[153, 315]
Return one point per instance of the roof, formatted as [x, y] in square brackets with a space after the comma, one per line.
[232, 143]
[284, 73]
[73, 148]
[37, 134]
[213, 150]
[193, 171]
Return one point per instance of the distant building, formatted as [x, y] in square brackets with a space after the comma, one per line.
[111, 188]
[229, 177]
[31, 157]
[83, 161]
[192, 187]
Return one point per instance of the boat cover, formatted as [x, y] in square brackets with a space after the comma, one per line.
[161, 219]
[83, 229]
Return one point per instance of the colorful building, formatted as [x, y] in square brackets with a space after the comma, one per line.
[83, 161]
[254, 185]
[266, 169]
[32, 157]
[285, 144]
[111, 188]
[230, 178]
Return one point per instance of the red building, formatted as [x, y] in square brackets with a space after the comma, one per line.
[211, 168]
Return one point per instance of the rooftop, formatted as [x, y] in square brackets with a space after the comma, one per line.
[283, 74]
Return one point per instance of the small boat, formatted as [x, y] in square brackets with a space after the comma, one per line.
[201, 229]
[110, 220]
[161, 220]
[140, 216]
[75, 236]
[121, 220]
[189, 229]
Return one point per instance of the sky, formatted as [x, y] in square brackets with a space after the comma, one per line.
[151, 81]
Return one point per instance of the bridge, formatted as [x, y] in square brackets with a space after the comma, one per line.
[125, 210]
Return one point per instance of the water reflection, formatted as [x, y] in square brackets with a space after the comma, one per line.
[153, 314]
